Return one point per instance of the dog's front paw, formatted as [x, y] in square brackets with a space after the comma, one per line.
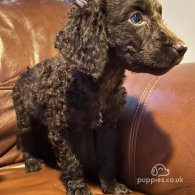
[32, 164]
[116, 188]
[77, 188]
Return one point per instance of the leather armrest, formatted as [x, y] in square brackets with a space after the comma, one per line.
[157, 127]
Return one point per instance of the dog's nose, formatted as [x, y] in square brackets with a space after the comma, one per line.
[180, 49]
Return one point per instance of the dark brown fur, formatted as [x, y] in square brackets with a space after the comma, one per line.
[81, 88]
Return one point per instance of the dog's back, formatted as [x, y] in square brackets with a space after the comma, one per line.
[36, 84]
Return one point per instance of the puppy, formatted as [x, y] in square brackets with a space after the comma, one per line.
[81, 88]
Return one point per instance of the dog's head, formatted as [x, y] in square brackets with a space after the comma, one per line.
[140, 38]
[131, 29]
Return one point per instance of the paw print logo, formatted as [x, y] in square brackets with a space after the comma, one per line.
[159, 170]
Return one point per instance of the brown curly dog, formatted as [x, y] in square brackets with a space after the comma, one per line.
[81, 88]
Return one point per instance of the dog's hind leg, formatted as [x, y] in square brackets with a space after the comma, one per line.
[25, 142]
[25, 139]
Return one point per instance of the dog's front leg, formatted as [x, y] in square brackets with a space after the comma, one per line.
[67, 160]
[106, 151]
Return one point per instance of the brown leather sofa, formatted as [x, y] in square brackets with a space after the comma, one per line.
[157, 128]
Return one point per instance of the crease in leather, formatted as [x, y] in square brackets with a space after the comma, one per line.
[7, 144]
[8, 22]
[1, 51]
[135, 127]
[9, 84]
[6, 106]
[34, 39]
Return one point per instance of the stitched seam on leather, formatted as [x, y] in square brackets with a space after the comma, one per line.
[138, 121]
[133, 129]
[131, 134]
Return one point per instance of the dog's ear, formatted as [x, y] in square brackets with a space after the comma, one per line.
[83, 41]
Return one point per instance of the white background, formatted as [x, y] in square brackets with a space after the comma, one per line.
[179, 15]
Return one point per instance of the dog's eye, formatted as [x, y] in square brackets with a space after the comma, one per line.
[136, 18]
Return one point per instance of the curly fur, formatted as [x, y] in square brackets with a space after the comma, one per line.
[81, 88]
